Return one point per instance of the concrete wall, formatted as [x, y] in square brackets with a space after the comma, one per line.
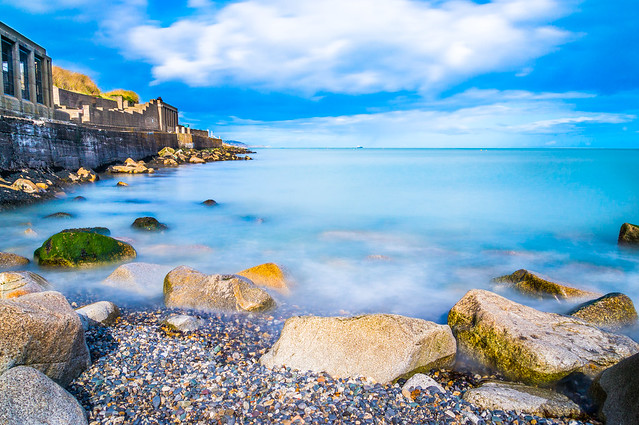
[75, 100]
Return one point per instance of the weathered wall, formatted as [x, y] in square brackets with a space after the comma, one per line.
[75, 100]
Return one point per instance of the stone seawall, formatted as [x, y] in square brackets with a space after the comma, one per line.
[27, 143]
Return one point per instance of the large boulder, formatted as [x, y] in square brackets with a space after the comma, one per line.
[269, 275]
[143, 278]
[149, 224]
[524, 399]
[27, 396]
[612, 311]
[185, 287]
[10, 261]
[383, 347]
[130, 167]
[628, 235]
[103, 313]
[15, 284]
[616, 392]
[100, 230]
[531, 346]
[537, 285]
[41, 330]
[75, 249]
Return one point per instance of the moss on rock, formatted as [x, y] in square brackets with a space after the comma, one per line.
[613, 311]
[629, 235]
[533, 284]
[76, 249]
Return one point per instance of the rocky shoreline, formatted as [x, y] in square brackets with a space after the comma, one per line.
[229, 349]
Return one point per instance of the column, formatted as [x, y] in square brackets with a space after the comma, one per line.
[32, 78]
[49, 93]
[17, 85]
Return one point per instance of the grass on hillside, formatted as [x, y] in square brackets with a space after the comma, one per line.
[129, 95]
[80, 83]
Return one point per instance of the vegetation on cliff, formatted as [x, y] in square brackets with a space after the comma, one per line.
[80, 83]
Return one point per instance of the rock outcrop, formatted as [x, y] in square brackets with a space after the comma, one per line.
[522, 398]
[10, 261]
[149, 224]
[269, 275]
[15, 284]
[185, 287]
[27, 396]
[531, 346]
[383, 347]
[628, 235]
[612, 311]
[536, 285]
[142, 278]
[616, 392]
[130, 167]
[76, 249]
[41, 330]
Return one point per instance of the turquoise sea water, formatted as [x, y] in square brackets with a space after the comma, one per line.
[404, 231]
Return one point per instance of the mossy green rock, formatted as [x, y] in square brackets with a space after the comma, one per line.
[77, 249]
[531, 346]
[629, 235]
[149, 224]
[612, 311]
[101, 230]
[536, 285]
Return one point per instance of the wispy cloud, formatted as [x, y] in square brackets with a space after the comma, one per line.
[359, 46]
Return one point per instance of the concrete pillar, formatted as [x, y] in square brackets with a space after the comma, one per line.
[17, 86]
[160, 120]
[49, 91]
[32, 78]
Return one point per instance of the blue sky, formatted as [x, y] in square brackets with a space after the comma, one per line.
[377, 73]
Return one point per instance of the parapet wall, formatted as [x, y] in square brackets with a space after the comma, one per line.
[26, 143]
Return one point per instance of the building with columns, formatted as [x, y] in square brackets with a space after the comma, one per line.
[27, 80]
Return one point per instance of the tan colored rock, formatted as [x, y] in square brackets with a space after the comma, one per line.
[628, 235]
[183, 323]
[612, 311]
[536, 285]
[28, 397]
[531, 346]
[100, 313]
[122, 184]
[166, 151]
[142, 278]
[269, 275]
[383, 347]
[16, 284]
[42, 186]
[9, 260]
[170, 162]
[87, 175]
[195, 160]
[41, 330]
[521, 398]
[26, 186]
[419, 380]
[185, 287]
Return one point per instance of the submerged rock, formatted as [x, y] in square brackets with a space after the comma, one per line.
[150, 224]
[9, 260]
[522, 398]
[16, 284]
[185, 287]
[269, 275]
[613, 311]
[209, 203]
[121, 184]
[27, 396]
[383, 347]
[628, 235]
[531, 346]
[75, 249]
[142, 278]
[41, 330]
[59, 215]
[534, 284]
[616, 392]
[101, 313]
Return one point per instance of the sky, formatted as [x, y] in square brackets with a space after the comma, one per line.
[372, 73]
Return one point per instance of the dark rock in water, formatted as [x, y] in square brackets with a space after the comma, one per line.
[75, 249]
[614, 311]
[27, 396]
[616, 392]
[9, 260]
[59, 215]
[534, 284]
[99, 230]
[41, 330]
[209, 203]
[149, 224]
[629, 235]
[79, 199]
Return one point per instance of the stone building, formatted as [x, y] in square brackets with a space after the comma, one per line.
[27, 82]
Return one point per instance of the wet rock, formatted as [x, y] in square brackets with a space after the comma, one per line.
[522, 398]
[166, 151]
[195, 160]
[183, 323]
[269, 275]
[26, 186]
[16, 284]
[142, 278]
[41, 330]
[9, 260]
[419, 380]
[612, 311]
[99, 230]
[149, 224]
[536, 285]
[59, 215]
[130, 167]
[185, 287]
[122, 184]
[209, 203]
[531, 346]
[170, 162]
[27, 396]
[87, 175]
[628, 235]
[616, 392]
[383, 347]
[79, 199]
[75, 249]
[101, 313]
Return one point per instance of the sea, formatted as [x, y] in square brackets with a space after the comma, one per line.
[403, 231]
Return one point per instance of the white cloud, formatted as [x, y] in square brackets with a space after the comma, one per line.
[355, 46]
